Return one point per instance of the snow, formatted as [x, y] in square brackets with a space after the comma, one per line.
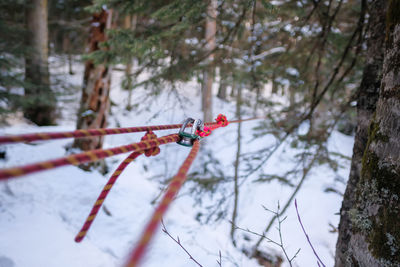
[40, 214]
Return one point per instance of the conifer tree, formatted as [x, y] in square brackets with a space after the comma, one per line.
[13, 49]
[68, 24]
[42, 102]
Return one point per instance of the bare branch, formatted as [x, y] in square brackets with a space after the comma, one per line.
[220, 259]
[263, 236]
[308, 238]
[178, 241]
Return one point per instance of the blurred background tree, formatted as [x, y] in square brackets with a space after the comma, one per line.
[31, 31]
[296, 63]
[41, 108]
[13, 51]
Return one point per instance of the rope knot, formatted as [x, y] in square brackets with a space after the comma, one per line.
[205, 132]
[222, 120]
[151, 151]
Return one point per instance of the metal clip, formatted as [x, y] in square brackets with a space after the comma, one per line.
[187, 139]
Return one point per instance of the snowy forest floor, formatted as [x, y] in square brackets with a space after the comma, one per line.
[40, 214]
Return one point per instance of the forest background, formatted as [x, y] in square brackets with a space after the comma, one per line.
[312, 70]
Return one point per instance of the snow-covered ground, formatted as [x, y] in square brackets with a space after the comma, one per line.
[40, 214]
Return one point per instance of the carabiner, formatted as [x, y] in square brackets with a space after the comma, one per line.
[187, 139]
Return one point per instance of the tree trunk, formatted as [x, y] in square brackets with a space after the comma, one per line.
[95, 100]
[375, 235]
[211, 29]
[225, 80]
[274, 89]
[319, 122]
[41, 105]
[366, 103]
[67, 49]
[233, 90]
[129, 23]
[223, 84]
[237, 165]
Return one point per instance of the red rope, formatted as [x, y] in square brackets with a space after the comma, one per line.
[221, 121]
[93, 132]
[107, 188]
[148, 145]
[83, 133]
[168, 197]
[88, 156]
[94, 155]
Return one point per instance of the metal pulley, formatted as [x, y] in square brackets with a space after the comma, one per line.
[187, 139]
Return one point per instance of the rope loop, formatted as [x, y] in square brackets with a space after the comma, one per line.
[222, 120]
[154, 150]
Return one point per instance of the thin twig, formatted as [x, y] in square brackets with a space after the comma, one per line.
[280, 243]
[257, 234]
[277, 214]
[296, 190]
[306, 170]
[237, 164]
[308, 238]
[178, 241]
[220, 259]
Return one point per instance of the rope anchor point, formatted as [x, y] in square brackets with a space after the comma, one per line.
[187, 139]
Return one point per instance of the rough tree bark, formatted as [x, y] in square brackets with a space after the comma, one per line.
[211, 29]
[375, 233]
[366, 103]
[41, 104]
[95, 100]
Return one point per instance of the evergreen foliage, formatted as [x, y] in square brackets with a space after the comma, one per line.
[67, 21]
[68, 25]
[12, 52]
